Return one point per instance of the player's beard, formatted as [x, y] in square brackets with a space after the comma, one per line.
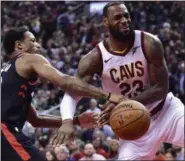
[120, 36]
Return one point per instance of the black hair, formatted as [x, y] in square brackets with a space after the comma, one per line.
[105, 9]
[172, 152]
[11, 36]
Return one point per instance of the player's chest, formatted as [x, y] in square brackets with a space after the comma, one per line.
[124, 68]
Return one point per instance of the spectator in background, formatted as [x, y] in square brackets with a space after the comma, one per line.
[74, 150]
[90, 153]
[165, 33]
[56, 149]
[87, 135]
[109, 140]
[114, 146]
[41, 149]
[62, 153]
[50, 156]
[98, 145]
[93, 106]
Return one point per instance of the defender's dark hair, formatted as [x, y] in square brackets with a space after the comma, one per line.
[105, 9]
[11, 36]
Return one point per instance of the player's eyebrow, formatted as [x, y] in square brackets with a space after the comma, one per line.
[118, 14]
[125, 11]
[33, 39]
[126, 14]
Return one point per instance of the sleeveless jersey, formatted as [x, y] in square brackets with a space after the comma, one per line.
[15, 95]
[126, 74]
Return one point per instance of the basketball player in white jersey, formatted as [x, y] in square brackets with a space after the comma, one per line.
[132, 63]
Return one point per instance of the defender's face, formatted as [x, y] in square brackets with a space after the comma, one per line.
[30, 44]
[118, 22]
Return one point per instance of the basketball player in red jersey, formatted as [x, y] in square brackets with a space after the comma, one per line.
[132, 63]
[18, 80]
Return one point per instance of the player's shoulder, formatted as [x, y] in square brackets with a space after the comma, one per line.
[25, 62]
[92, 53]
[153, 48]
[92, 56]
[30, 58]
[91, 63]
[150, 39]
[34, 56]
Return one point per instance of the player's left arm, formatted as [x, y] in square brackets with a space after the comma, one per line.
[87, 120]
[157, 69]
[38, 120]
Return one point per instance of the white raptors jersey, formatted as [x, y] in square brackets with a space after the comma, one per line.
[126, 74]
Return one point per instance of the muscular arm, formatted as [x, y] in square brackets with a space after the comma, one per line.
[158, 72]
[89, 65]
[47, 121]
[43, 68]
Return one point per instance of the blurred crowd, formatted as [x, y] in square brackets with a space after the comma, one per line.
[66, 32]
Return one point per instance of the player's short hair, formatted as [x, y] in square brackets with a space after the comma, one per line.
[11, 36]
[105, 9]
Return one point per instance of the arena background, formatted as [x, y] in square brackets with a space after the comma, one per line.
[68, 30]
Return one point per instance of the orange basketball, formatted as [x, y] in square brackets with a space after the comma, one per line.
[129, 120]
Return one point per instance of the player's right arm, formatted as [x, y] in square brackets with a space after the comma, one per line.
[71, 84]
[40, 66]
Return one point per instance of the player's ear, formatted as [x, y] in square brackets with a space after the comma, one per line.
[105, 21]
[18, 45]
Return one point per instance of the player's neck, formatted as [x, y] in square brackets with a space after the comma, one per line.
[15, 54]
[119, 46]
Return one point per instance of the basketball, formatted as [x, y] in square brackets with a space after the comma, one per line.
[130, 120]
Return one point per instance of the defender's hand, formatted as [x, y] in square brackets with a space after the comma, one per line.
[88, 119]
[115, 98]
[108, 107]
[105, 114]
[64, 134]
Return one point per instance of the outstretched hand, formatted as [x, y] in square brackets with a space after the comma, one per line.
[108, 107]
[88, 119]
[64, 134]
